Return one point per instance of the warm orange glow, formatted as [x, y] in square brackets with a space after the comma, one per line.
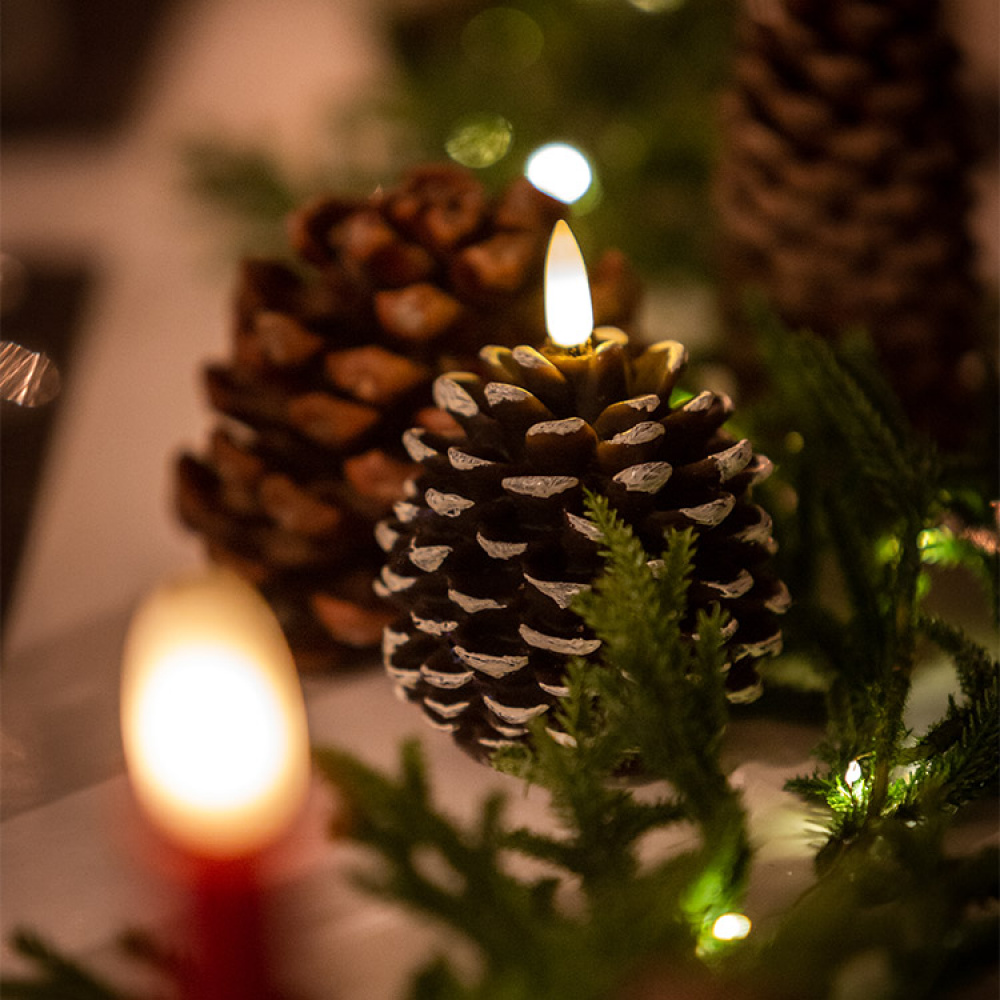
[213, 721]
[569, 313]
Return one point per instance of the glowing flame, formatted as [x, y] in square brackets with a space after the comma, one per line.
[731, 927]
[569, 314]
[213, 722]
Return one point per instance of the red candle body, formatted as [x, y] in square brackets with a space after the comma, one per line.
[231, 943]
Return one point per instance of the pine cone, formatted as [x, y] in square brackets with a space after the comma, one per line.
[490, 548]
[329, 369]
[843, 194]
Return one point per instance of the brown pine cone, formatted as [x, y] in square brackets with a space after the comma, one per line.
[491, 546]
[843, 194]
[333, 359]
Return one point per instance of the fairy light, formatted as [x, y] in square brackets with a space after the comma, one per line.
[560, 170]
[731, 927]
[853, 774]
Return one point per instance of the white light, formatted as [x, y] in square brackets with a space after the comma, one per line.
[569, 312]
[213, 723]
[853, 774]
[560, 170]
[731, 927]
[211, 732]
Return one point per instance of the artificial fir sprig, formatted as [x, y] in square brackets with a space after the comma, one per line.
[858, 455]
[57, 977]
[656, 700]
[529, 946]
[655, 704]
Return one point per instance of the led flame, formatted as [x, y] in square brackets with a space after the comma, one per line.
[213, 722]
[569, 313]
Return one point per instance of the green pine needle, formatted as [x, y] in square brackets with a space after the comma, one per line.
[57, 977]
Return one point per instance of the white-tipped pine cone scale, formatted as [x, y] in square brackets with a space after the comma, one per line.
[484, 560]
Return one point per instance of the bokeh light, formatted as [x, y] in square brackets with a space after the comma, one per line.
[560, 170]
[480, 140]
[731, 927]
[502, 39]
[656, 6]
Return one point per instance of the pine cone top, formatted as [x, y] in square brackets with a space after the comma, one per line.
[487, 553]
[334, 359]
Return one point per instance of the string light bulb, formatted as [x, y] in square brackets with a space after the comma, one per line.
[560, 170]
[853, 774]
[731, 927]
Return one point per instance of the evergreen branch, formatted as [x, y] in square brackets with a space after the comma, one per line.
[669, 688]
[454, 876]
[975, 666]
[243, 180]
[922, 912]
[530, 950]
[961, 753]
[901, 473]
[59, 977]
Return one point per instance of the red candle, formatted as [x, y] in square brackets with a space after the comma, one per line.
[216, 748]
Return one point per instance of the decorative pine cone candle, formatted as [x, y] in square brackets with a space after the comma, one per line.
[487, 553]
[333, 360]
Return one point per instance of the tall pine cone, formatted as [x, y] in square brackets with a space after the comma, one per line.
[333, 359]
[843, 194]
[490, 548]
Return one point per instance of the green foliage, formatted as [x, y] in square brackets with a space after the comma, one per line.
[655, 703]
[529, 946]
[57, 977]
[873, 497]
[899, 921]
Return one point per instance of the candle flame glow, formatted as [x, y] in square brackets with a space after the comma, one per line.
[213, 722]
[569, 313]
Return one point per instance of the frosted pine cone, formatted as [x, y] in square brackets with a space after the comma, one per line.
[486, 555]
[328, 370]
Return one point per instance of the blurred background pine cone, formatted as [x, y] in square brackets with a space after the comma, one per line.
[333, 357]
[843, 195]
